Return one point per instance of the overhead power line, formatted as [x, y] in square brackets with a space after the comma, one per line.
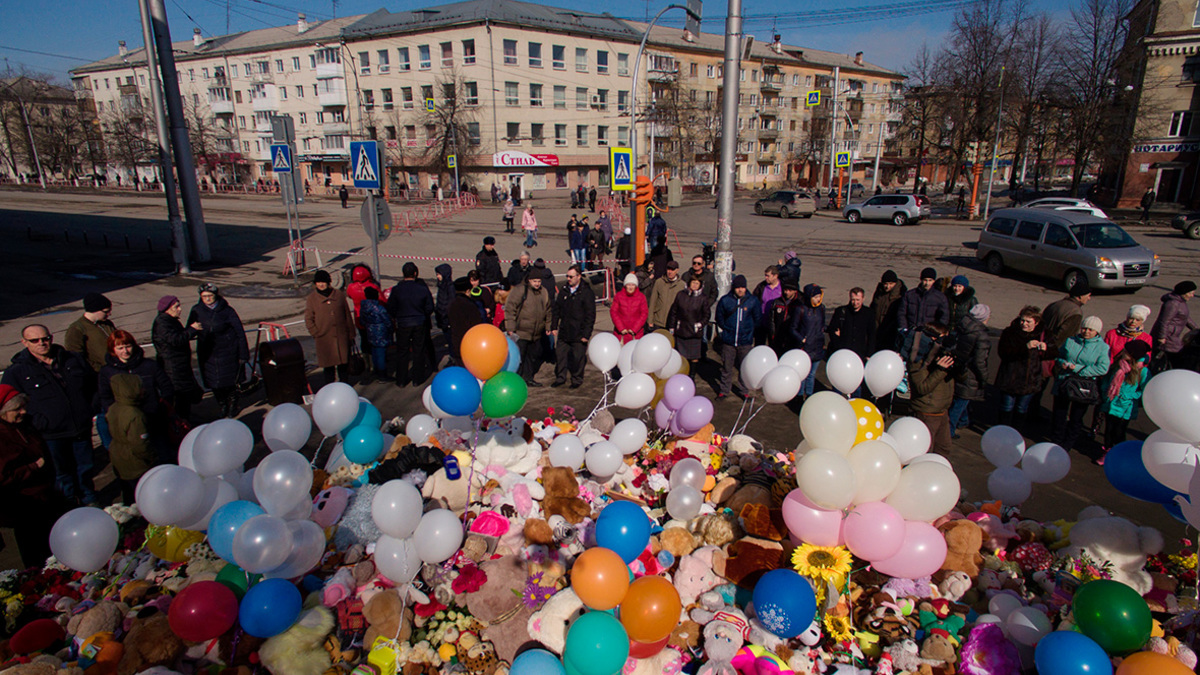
[56, 56]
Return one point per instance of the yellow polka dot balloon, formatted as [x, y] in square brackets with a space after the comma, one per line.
[870, 420]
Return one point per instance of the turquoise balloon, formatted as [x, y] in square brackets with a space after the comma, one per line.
[363, 445]
[597, 644]
[514, 357]
[368, 416]
[537, 662]
[504, 394]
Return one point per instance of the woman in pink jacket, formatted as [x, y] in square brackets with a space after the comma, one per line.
[629, 311]
[529, 224]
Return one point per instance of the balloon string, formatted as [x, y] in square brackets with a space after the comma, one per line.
[471, 474]
[317, 452]
[602, 404]
[733, 430]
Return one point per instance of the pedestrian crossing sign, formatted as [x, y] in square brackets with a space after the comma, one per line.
[281, 158]
[430, 106]
[451, 161]
[814, 98]
[364, 164]
[620, 167]
[841, 159]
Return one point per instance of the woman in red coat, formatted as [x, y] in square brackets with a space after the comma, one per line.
[28, 502]
[629, 311]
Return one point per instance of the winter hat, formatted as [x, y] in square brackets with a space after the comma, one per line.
[1139, 312]
[10, 398]
[630, 279]
[1137, 349]
[889, 277]
[371, 293]
[790, 285]
[981, 312]
[208, 287]
[1093, 322]
[1081, 288]
[739, 281]
[959, 279]
[928, 273]
[1185, 287]
[813, 290]
[489, 240]
[95, 302]
[165, 302]
[462, 285]
[322, 275]
[789, 255]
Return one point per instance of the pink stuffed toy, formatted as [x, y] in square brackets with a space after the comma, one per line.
[756, 660]
[996, 533]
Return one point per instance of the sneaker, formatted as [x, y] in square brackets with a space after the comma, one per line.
[1099, 461]
[722, 396]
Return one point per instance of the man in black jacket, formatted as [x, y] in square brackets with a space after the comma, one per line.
[410, 305]
[571, 322]
[463, 316]
[59, 385]
[487, 262]
[971, 348]
[853, 326]
[517, 271]
[923, 304]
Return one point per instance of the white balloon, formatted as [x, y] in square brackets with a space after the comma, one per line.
[187, 447]
[844, 368]
[245, 487]
[688, 471]
[635, 390]
[911, 438]
[629, 435]
[603, 350]
[684, 502]
[653, 352]
[926, 491]
[334, 407]
[420, 428]
[427, 401]
[932, 457]
[170, 495]
[397, 559]
[781, 384]
[1172, 400]
[876, 470]
[757, 363]
[396, 508]
[299, 509]
[1027, 625]
[826, 478]
[884, 372]
[281, 479]
[987, 618]
[603, 458]
[308, 547]
[828, 421]
[1003, 604]
[223, 446]
[1046, 463]
[262, 544]
[1003, 446]
[438, 536]
[798, 360]
[625, 357]
[459, 423]
[286, 427]
[889, 439]
[1010, 485]
[567, 450]
[84, 539]
[674, 365]
[217, 493]
[1169, 458]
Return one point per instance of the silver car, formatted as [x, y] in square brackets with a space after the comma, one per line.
[897, 209]
[787, 203]
[1065, 245]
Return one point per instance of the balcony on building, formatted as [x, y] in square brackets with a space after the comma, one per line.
[767, 157]
[265, 104]
[221, 107]
[768, 134]
[332, 98]
[327, 71]
[335, 128]
[263, 153]
[661, 68]
[260, 78]
[771, 82]
[262, 126]
[659, 130]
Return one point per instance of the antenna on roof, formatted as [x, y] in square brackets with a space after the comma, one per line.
[335, 5]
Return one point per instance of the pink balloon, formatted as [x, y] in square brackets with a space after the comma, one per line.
[678, 390]
[921, 554]
[662, 415]
[694, 414]
[811, 523]
[873, 531]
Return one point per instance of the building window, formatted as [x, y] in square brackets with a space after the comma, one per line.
[233, 70]
[312, 61]
[560, 135]
[1191, 70]
[581, 134]
[535, 55]
[388, 102]
[203, 74]
[303, 118]
[299, 91]
[473, 133]
[472, 93]
[581, 98]
[295, 63]
[264, 68]
[241, 121]
[406, 97]
[710, 97]
[694, 70]
[364, 63]
[623, 136]
[711, 71]
[237, 97]
[601, 135]
[535, 95]
[381, 58]
[191, 75]
[560, 97]
[513, 135]
[537, 135]
[602, 94]
[512, 96]
[558, 57]
[622, 101]
[1181, 124]
[581, 60]
[426, 92]
[402, 63]
[279, 65]
[468, 52]
[623, 65]
[510, 52]
[283, 93]
[602, 62]
[423, 59]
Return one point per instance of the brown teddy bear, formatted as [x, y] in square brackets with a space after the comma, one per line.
[150, 642]
[963, 541]
[562, 495]
[105, 616]
[503, 610]
[383, 615]
[678, 541]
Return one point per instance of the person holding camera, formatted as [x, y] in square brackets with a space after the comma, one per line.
[932, 385]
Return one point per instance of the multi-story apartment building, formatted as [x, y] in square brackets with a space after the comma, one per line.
[522, 93]
[48, 126]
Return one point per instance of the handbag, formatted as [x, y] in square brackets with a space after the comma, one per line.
[356, 365]
[1080, 389]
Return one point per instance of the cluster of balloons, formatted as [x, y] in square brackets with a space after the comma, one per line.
[778, 377]
[410, 537]
[645, 364]
[680, 410]
[603, 458]
[877, 496]
[488, 378]
[687, 482]
[1023, 624]
[1004, 447]
[339, 412]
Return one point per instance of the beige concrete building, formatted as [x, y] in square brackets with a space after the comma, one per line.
[522, 94]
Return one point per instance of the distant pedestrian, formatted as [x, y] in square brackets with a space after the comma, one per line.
[509, 210]
[971, 349]
[530, 225]
[527, 318]
[686, 320]
[962, 200]
[173, 350]
[853, 326]
[592, 200]
[597, 247]
[662, 297]
[410, 305]
[1022, 351]
[577, 241]
[361, 278]
[885, 305]
[329, 320]
[878, 190]
[807, 331]
[624, 253]
[482, 296]
[463, 316]
[572, 319]
[629, 311]
[487, 262]
[376, 325]
[132, 447]
[125, 356]
[88, 335]
[961, 298]
[1082, 356]
[1147, 203]
[605, 225]
[1174, 320]
[932, 389]
[738, 315]
[518, 269]
[344, 195]
[221, 347]
[1131, 329]
[923, 304]
[1122, 393]
[1061, 319]
[445, 295]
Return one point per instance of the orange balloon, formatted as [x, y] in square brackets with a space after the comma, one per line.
[651, 609]
[600, 578]
[1151, 663]
[484, 350]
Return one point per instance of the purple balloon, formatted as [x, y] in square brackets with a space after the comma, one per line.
[678, 390]
[674, 427]
[662, 415]
[694, 414]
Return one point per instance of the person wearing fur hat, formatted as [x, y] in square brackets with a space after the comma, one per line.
[1086, 356]
[28, 503]
[961, 298]
[1173, 322]
[173, 351]
[88, 335]
[738, 315]
[221, 347]
[629, 311]
[885, 305]
[329, 320]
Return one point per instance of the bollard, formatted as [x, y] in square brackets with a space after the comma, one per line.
[150, 244]
[85, 238]
[66, 236]
[105, 240]
[126, 242]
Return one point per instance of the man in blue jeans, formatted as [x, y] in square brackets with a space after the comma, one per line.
[59, 385]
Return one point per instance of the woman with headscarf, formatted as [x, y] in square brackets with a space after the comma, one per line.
[686, 320]
[1082, 356]
[221, 347]
[329, 320]
[28, 502]
[173, 347]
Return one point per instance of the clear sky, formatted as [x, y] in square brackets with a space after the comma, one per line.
[888, 31]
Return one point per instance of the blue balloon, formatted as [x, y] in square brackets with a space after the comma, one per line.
[363, 445]
[1124, 469]
[368, 416]
[514, 356]
[1066, 652]
[784, 603]
[224, 524]
[624, 528]
[269, 607]
[537, 662]
[456, 391]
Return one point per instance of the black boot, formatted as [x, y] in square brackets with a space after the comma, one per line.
[230, 407]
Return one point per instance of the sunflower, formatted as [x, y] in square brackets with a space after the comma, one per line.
[838, 628]
[827, 563]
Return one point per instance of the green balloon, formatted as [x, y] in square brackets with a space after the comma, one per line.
[236, 579]
[597, 644]
[504, 394]
[1113, 615]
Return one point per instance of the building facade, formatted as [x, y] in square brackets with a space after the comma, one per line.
[46, 126]
[522, 94]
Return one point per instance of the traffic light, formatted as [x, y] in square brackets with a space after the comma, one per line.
[643, 191]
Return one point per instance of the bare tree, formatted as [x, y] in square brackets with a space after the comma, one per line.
[448, 126]
[128, 139]
[922, 104]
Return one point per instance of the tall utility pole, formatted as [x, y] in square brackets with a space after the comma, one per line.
[729, 143]
[179, 139]
[179, 240]
[987, 205]
[878, 152]
[833, 120]
[37, 162]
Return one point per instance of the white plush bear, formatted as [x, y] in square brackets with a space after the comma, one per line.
[1109, 538]
[549, 624]
[507, 448]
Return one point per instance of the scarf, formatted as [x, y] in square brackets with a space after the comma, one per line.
[1127, 332]
[327, 292]
[1118, 379]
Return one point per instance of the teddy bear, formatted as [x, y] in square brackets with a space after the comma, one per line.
[716, 529]
[506, 448]
[357, 526]
[677, 541]
[905, 657]
[882, 615]
[549, 624]
[724, 635]
[300, 650]
[149, 642]
[561, 495]
[952, 585]
[477, 657]
[1175, 649]
[744, 561]
[440, 489]
[495, 604]
[963, 541]
[384, 617]
[105, 616]
[1115, 539]
[695, 575]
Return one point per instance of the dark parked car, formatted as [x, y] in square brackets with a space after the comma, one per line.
[1188, 223]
